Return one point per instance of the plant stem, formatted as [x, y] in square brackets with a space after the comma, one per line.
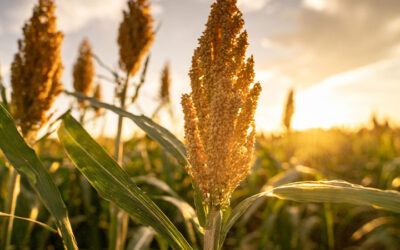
[119, 220]
[213, 229]
[13, 191]
[329, 226]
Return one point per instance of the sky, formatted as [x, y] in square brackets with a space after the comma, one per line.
[342, 57]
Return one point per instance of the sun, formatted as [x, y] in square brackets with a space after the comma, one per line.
[318, 107]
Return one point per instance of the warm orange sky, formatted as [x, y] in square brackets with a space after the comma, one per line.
[341, 56]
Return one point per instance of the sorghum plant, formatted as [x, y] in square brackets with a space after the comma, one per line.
[84, 71]
[36, 69]
[165, 84]
[288, 111]
[219, 112]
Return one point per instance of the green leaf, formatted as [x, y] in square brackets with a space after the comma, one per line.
[142, 239]
[3, 95]
[338, 192]
[320, 191]
[290, 175]
[30, 220]
[113, 183]
[238, 211]
[166, 139]
[187, 211]
[152, 181]
[198, 203]
[28, 165]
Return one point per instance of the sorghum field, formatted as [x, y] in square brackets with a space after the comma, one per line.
[219, 183]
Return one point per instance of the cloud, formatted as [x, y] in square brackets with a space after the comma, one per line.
[349, 98]
[72, 14]
[332, 37]
[157, 9]
[251, 5]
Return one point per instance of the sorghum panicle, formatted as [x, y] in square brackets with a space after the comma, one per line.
[288, 111]
[98, 94]
[165, 84]
[219, 112]
[37, 68]
[84, 70]
[135, 35]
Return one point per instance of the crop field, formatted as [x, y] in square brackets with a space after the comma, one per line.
[198, 172]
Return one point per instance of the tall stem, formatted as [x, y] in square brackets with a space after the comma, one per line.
[13, 192]
[12, 196]
[119, 220]
[213, 229]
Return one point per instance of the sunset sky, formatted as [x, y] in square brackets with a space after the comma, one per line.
[341, 56]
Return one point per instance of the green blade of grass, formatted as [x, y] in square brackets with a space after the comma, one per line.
[113, 183]
[158, 133]
[142, 239]
[30, 220]
[320, 191]
[28, 165]
[338, 192]
[187, 211]
[154, 182]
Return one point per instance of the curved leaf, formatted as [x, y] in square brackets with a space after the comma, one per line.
[238, 211]
[338, 192]
[30, 220]
[28, 165]
[113, 183]
[187, 211]
[320, 191]
[153, 181]
[166, 139]
[142, 239]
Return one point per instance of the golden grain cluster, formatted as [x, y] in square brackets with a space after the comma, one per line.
[37, 68]
[98, 94]
[83, 72]
[165, 84]
[135, 35]
[219, 112]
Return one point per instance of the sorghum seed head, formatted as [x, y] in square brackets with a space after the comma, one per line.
[288, 111]
[84, 71]
[219, 112]
[165, 84]
[135, 35]
[98, 94]
[37, 68]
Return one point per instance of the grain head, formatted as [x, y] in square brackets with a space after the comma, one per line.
[219, 112]
[165, 84]
[135, 35]
[83, 72]
[37, 68]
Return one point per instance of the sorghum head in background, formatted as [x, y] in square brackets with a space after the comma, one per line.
[98, 94]
[37, 68]
[165, 84]
[135, 35]
[84, 71]
[288, 111]
[219, 112]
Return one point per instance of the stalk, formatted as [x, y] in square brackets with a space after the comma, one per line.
[213, 229]
[13, 191]
[329, 226]
[119, 219]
